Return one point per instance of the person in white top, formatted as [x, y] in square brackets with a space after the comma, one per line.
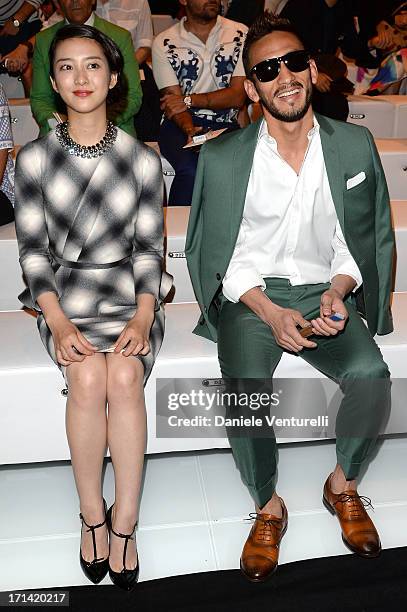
[198, 69]
[134, 16]
[273, 272]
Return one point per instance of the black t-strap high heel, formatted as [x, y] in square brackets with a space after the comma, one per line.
[97, 569]
[127, 578]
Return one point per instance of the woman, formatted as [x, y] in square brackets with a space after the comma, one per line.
[90, 230]
[6, 162]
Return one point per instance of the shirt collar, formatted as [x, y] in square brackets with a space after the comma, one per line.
[184, 33]
[263, 131]
[90, 21]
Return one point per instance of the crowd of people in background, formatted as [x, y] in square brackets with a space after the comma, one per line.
[189, 78]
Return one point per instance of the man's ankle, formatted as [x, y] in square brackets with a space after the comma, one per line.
[273, 506]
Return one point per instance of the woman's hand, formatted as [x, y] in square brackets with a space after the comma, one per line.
[70, 344]
[134, 339]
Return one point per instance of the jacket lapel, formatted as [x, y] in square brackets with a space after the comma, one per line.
[330, 149]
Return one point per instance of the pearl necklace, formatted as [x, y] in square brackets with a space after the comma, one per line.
[95, 150]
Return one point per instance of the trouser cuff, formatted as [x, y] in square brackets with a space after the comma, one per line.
[263, 494]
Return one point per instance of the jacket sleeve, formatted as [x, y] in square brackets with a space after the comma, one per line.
[131, 73]
[195, 228]
[148, 238]
[384, 242]
[31, 226]
[42, 97]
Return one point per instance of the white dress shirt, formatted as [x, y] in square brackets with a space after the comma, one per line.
[290, 228]
[132, 15]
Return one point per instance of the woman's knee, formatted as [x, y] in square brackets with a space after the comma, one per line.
[124, 375]
[87, 380]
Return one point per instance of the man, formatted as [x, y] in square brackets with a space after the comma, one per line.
[134, 16]
[289, 217]
[19, 22]
[198, 69]
[45, 102]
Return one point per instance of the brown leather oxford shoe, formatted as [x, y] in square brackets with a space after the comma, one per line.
[260, 553]
[358, 531]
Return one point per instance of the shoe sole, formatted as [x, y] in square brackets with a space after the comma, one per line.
[351, 548]
[269, 575]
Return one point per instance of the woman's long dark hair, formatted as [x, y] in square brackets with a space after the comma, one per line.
[110, 50]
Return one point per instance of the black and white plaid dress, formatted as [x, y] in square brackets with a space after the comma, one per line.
[91, 230]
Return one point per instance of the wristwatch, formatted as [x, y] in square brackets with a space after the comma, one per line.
[16, 23]
[188, 101]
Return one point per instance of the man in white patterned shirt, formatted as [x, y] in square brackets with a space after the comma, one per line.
[198, 69]
[289, 227]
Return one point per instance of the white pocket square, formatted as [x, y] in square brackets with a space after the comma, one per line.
[355, 180]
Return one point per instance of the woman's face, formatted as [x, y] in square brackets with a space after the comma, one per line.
[81, 74]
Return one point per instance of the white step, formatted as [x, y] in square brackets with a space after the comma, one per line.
[32, 404]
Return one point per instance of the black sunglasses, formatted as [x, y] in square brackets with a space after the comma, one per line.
[267, 70]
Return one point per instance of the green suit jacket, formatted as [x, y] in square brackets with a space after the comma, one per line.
[44, 100]
[363, 213]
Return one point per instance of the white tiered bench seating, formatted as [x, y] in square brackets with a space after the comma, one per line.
[23, 124]
[393, 155]
[33, 404]
[385, 116]
[13, 86]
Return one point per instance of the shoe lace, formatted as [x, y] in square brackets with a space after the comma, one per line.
[265, 531]
[357, 503]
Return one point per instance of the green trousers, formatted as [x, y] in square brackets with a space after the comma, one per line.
[247, 349]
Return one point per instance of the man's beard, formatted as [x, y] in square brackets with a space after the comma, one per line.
[207, 15]
[290, 115]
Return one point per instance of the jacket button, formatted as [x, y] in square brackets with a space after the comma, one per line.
[218, 276]
[206, 309]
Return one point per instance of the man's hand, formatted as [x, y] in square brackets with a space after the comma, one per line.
[17, 60]
[134, 339]
[172, 104]
[9, 29]
[384, 38]
[323, 83]
[283, 323]
[331, 302]
[191, 133]
[70, 344]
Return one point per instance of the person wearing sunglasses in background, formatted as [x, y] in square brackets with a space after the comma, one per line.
[289, 227]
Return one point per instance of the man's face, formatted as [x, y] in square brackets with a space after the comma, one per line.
[204, 10]
[76, 11]
[288, 97]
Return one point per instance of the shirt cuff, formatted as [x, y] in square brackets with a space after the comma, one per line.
[239, 283]
[352, 272]
[143, 42]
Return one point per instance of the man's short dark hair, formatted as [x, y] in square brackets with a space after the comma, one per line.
[265, 24]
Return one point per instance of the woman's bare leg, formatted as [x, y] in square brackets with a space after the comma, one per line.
[86, 428]
[126, 440]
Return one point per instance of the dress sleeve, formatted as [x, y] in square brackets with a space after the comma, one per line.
[31, 226]
[148, 241]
